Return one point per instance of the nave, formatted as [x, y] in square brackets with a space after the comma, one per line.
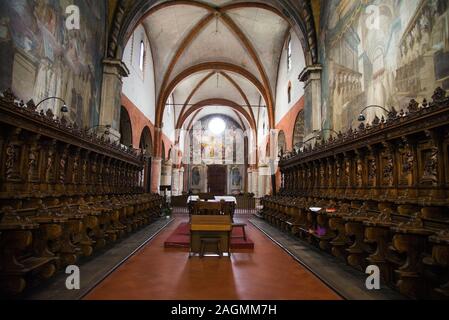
[265, 273]
[325, 121]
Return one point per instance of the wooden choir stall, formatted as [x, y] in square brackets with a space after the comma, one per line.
[376, 195]
[64, 194]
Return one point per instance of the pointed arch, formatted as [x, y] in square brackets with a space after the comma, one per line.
[213, 102]
[146, 142]
[219, 66]
[126, 131]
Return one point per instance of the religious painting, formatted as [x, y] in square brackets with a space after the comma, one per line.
[381, 53]
[42, 58]
[236, 178]
[196, 177]
[298, 130]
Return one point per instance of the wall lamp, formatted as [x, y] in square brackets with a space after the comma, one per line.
[362, 116]
[64, 107]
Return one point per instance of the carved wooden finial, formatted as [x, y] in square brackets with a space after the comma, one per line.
[49, 114]
[439, 95]
[63, 121]
[392, 114]
[413, 106]
[424, 103]
[361, 126]
[30, 105]
[8, 95]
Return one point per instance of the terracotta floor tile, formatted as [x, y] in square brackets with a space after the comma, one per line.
[266, 272]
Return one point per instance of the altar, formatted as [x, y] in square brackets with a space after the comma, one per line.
[215, 199]
[211, 205]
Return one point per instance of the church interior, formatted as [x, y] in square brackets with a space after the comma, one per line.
[224, 150]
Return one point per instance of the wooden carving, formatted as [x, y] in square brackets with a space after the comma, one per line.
[46, 219]
[397, 216]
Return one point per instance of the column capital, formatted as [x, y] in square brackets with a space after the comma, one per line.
[312, 72]
[113, 72]
[157, 159]
[311, 77]
[115, 66]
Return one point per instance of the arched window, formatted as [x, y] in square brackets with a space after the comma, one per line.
[289, 92]
[289, 54]
[142, 55]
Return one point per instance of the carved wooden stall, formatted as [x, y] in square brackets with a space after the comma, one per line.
[377, 195]
[64, 192]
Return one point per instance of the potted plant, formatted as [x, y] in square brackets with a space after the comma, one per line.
[166, 212]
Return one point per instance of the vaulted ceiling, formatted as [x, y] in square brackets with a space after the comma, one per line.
[221, 50]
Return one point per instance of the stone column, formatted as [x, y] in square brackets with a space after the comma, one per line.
[250, 180]
[175, 185]
[155, 174]
[113, 72]
[204, 179]
[255, 181]
[311, 76]
[181, 181]
[166, 172]
[264, 175]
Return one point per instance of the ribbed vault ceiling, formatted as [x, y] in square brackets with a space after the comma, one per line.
[248, 36]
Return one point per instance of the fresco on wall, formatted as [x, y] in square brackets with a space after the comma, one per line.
[236, 178]
[41, 58]
[402, 55]
[196, 177]
[298, 130]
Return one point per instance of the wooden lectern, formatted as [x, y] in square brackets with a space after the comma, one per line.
[207, 231]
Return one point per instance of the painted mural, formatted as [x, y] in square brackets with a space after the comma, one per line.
[236, 177]
[381, 52]
[298, 130]
[42, 58]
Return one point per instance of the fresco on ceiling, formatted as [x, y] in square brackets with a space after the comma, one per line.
[403, 54]
[41, 57]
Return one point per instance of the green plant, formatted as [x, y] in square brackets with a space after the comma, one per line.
[166, 211]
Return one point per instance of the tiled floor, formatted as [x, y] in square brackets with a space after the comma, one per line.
[266, 272]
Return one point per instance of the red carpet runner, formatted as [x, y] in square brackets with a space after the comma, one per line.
[180, 238]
